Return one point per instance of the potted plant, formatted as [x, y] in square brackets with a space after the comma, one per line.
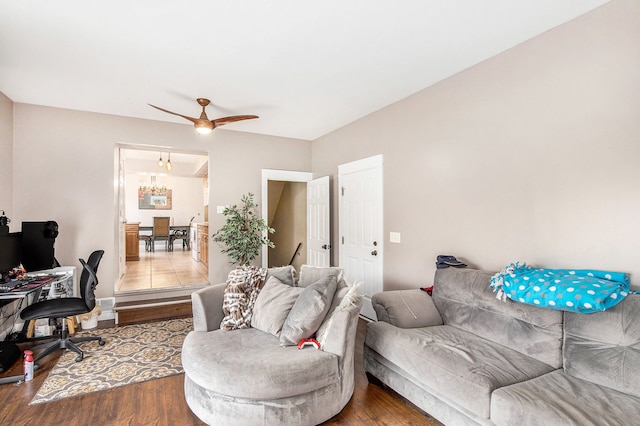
[243, 233]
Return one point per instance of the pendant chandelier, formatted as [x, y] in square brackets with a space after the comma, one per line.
[169, 166]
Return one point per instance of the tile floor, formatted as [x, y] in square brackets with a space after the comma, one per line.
[162, 269]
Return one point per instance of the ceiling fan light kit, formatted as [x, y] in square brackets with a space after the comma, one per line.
[202, 124]
[204, 128]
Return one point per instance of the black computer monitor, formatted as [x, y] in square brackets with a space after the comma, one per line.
[10, 251]
[38, 239]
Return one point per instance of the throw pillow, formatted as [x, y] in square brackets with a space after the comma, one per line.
[309, 311]
[310, 274]
[273, 305]
[286, 274]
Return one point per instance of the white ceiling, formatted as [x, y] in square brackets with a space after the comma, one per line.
[306, 68]
[145, 162]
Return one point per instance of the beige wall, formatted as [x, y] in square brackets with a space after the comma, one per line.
[65, 171]
[237, 169]
[6, 156]
[186, 199]
[532, 155]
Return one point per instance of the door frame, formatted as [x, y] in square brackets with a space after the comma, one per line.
[281, 175]
[119, 232]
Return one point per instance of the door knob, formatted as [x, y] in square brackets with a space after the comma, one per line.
[374, 253]
[326, 246]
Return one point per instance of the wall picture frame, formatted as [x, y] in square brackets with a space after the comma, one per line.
[154, 199]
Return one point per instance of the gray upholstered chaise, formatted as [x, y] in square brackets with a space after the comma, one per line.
[245, 377]
[468, 358]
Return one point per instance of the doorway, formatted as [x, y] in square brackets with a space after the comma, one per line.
[157, 182]
[361, 226]
[269, 175]
[315, 208]
[288, 215]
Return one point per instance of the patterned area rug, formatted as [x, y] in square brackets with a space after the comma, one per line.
[131, 354]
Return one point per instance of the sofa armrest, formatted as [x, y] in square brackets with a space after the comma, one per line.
[207, 307]
[406, 308]
[339, 330]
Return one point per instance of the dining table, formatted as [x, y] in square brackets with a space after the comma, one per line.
[176, 232]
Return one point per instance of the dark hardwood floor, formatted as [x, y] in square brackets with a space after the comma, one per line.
[161, 402]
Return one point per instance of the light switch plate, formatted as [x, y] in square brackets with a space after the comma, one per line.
[394, 237]
[220, 209]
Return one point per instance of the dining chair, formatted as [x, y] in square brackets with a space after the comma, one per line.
[160, 232]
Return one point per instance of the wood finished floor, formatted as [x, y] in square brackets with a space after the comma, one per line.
[163, 269]
[161, 402]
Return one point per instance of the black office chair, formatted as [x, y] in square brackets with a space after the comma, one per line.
[68, 306]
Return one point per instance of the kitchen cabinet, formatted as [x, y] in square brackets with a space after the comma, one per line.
[132, 241]
[203, 242]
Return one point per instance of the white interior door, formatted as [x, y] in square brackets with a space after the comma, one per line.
[361, 226]
[318, 222]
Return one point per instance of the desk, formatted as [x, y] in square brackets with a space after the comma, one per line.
[27, 287]
[62, 282]
[177, 232]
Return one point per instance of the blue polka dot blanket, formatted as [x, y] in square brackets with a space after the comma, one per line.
[583, 291]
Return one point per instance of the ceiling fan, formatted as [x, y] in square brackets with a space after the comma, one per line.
[203, 125]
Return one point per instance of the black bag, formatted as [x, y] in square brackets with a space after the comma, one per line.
[9, 354]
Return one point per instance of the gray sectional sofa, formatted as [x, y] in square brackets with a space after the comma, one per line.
[465, 357]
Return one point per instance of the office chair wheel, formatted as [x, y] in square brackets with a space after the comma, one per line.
[79, 357]
[101, 342]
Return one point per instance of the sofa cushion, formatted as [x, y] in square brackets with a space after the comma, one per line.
[559, 399]
[286, 274]
[251, 364]
[273, 306]
[452, 364]
[604, 347]
[465, 301]
[406, 308]
[311, 274]
[309, 311]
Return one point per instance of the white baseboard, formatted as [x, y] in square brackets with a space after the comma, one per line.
[106, 304]
[109, 315]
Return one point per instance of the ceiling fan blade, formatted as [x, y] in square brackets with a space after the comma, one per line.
[226, 120]
[193, 120]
